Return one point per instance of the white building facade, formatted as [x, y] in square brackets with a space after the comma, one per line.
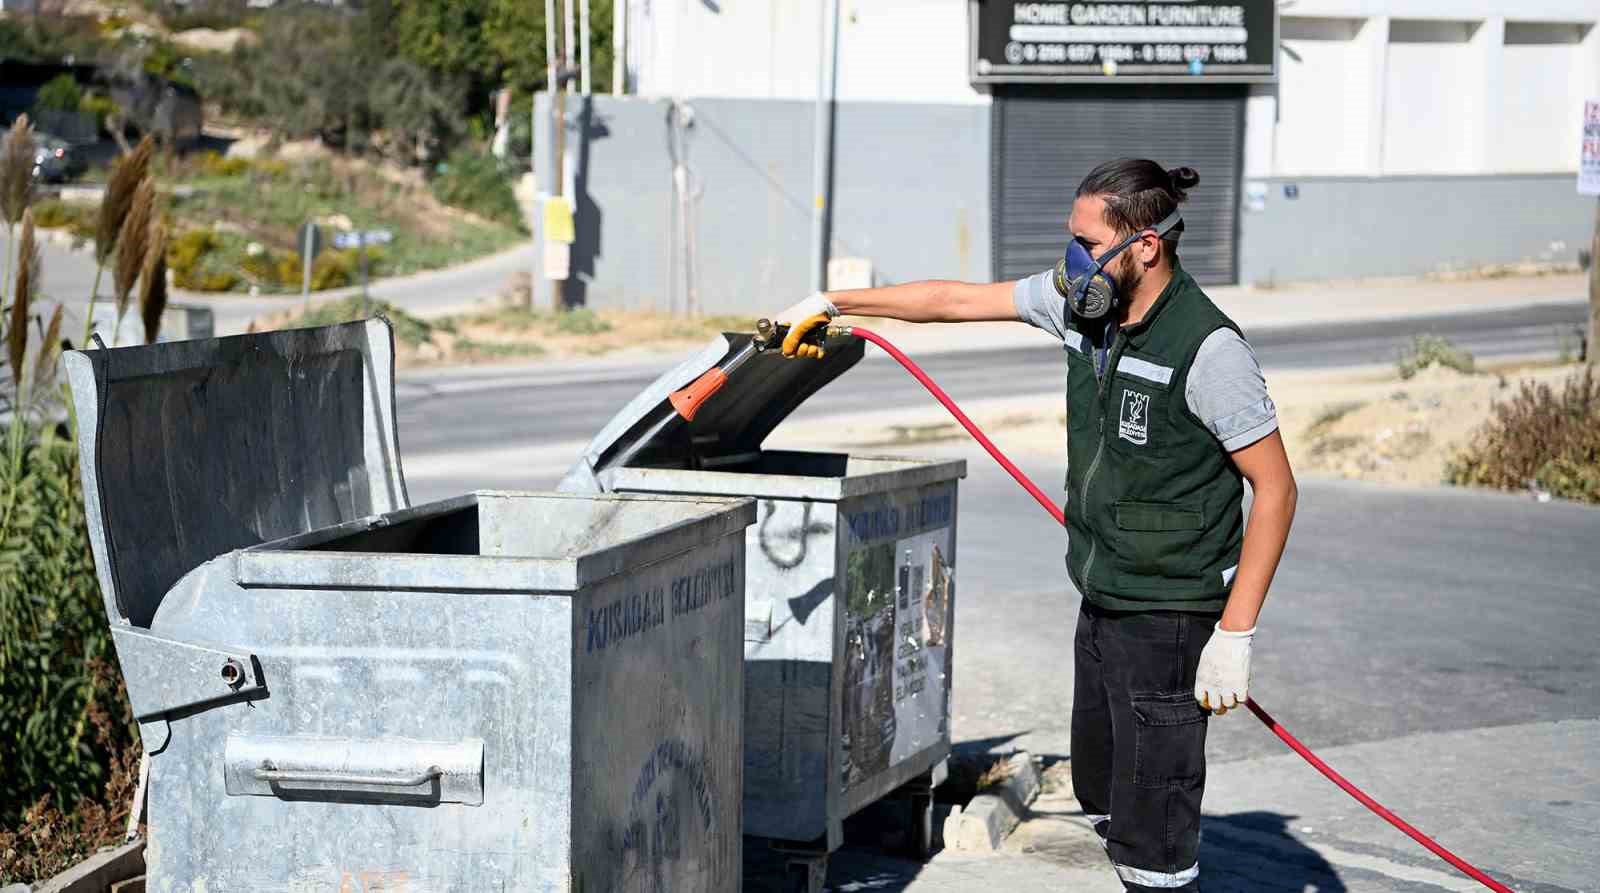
[1395, 137]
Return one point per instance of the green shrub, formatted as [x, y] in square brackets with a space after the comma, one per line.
[215, 164]
[509, 317]
[185, 252]
[60, 92]
[206, 280]
[54, 833]
[52, 633]
[51, 214]
[472, 180]
[471, 348]
[1540, 436]
[580, 321]
[56, 214]
[262, 268]
[331, 269]
[271, 168]
[1433, 350]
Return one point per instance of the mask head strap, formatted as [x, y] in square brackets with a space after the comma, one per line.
[1172, 223]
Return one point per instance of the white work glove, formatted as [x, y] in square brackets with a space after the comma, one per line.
[1223, 679]
[806, 309]
[801, 319]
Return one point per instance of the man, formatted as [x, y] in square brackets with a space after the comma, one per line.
[1167, 414]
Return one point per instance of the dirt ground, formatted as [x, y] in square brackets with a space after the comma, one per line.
[1381, 428]
[1366, 424]
[503, 334]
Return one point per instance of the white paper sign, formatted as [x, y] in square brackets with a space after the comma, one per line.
[1589, 159]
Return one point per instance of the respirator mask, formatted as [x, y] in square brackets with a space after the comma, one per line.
[1082, 280]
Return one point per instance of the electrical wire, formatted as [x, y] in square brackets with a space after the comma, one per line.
[1277, 728]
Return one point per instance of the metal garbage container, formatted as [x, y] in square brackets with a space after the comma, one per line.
[339, 691]
[850, 590]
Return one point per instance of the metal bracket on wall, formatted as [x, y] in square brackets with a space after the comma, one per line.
[169, 679]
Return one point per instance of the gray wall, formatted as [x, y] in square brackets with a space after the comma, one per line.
[1361, 226]
[911, 193]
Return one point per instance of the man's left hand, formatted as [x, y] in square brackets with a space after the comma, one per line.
[1223, 679]
[812, 313]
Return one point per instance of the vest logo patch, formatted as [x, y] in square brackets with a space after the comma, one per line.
[1134, 425]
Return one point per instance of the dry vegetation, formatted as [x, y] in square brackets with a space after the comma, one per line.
[511, 331]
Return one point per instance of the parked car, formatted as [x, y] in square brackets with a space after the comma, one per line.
[54, 159]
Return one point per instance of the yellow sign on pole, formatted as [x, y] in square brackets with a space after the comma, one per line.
[558, 225]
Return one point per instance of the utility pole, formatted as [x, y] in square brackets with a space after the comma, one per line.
[619, 47]
[822, 149]
[1589, 184]
[553, 65]
[1592, 346]
[583, 43]
[569, 40]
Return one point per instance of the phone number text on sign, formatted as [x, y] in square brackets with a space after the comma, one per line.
[1085, 53]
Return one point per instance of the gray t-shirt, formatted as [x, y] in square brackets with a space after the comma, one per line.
[1226, 389]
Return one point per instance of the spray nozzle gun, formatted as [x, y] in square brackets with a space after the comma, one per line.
[767, 336]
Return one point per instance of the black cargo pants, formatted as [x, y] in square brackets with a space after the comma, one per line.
[1139, 740]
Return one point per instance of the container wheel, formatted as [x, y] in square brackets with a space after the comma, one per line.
[807, 875]
[922, 826]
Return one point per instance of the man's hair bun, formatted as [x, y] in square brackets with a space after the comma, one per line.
[1184, 178]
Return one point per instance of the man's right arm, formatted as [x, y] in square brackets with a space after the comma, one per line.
[933, 300]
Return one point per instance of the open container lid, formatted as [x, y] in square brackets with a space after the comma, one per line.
[730, 426]
[191, 449]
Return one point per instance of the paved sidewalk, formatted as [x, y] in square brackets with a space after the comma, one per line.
[1273, 824]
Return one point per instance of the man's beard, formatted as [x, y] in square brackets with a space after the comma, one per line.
[1128, 277]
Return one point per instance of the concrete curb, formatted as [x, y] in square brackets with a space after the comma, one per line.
[107, 870]
[993, 814]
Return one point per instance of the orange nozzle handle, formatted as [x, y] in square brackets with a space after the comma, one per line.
[688, 401]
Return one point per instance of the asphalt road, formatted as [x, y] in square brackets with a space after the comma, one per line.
[543, 406]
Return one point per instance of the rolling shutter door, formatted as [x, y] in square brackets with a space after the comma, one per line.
[1046, 139]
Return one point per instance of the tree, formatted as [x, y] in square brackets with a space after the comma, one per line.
[516, 35]
[416, 108]
[61, 92]
[449, 37]
[303, 76]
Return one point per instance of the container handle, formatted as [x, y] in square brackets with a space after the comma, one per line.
[270, 773]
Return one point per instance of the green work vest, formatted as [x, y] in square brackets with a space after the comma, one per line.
[1154, 514]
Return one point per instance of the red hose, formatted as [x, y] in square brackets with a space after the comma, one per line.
[1277, 729]
[939, 394]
